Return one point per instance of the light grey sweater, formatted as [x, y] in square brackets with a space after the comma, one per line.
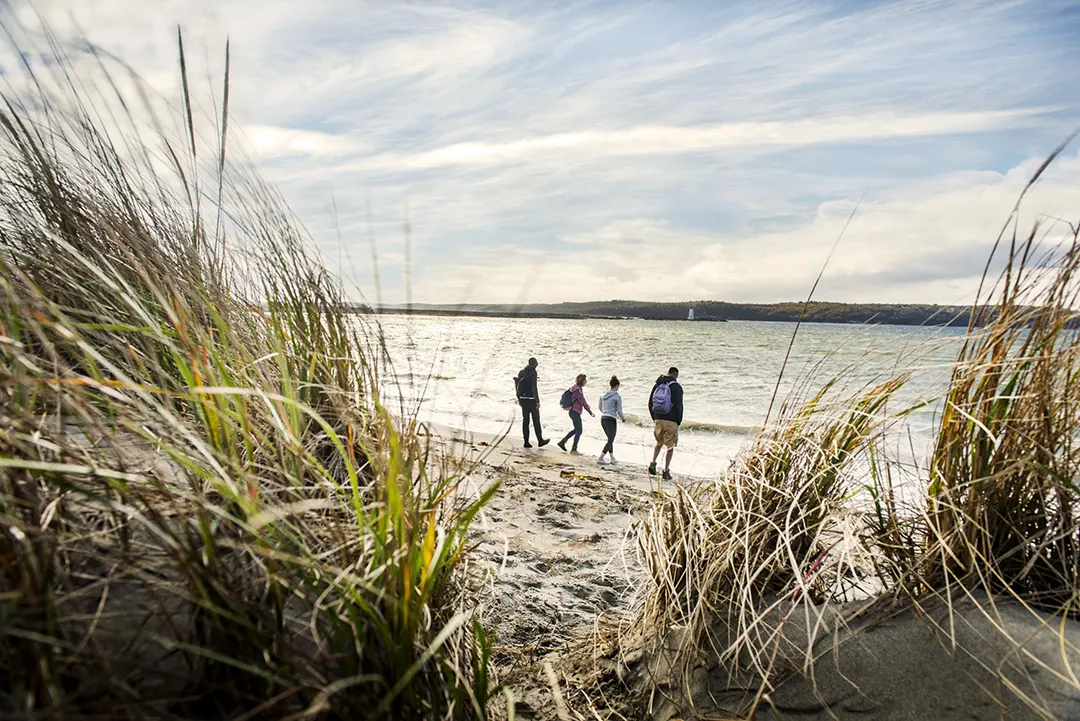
[611, 405]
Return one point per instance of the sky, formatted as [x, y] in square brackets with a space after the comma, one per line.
[545, 151]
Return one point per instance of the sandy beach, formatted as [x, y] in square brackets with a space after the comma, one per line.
[555, 546]
[554, 557]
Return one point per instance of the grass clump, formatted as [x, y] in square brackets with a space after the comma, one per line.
[1003, 504]
[204, 509]
[748, 572]
[731, 560]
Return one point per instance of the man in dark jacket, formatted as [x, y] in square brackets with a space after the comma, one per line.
[666, 409]
[529, 399]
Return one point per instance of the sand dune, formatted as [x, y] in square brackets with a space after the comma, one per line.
[555, 562]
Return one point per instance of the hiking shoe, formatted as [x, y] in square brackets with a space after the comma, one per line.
[528, 445]
[652, 468]
[561, 444]
[575, 452]
[667, 475]
[543, 442]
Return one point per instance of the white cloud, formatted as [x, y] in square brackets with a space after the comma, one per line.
[927, 242]
[649, 140]
[267, 140]
[570, 141]
[459, 50]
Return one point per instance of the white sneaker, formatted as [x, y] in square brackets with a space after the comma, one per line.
[613, 462]
[602, 462]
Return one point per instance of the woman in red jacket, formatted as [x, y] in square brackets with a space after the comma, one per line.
[578, 403]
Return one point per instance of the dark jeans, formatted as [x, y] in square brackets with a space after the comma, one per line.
[530, 409]
[576, 433]
[611, 427]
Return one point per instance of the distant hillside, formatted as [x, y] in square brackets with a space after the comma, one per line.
[816, 312]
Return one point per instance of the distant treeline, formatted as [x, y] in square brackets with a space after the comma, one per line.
[816, 312]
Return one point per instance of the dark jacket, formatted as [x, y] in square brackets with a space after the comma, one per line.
[526, 384]
[676, 401]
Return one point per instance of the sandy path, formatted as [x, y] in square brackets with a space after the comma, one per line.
[556, 545]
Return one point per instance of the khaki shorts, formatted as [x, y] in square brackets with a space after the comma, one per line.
[666, 433]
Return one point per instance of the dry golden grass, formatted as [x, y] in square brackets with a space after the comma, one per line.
[811, 514]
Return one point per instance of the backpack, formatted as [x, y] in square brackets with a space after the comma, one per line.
[567, 400]
[661, 399]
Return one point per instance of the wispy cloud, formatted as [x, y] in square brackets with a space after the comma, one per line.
[593, 146]
[271, 141]
[659, 139]
[927, 241]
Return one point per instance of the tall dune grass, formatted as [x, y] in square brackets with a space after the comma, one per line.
[774, 532]
[1003, 500]
[204, 509]
[809, 514]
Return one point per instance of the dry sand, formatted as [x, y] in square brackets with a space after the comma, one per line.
[555, 552]
[555, 547]
[981, 660]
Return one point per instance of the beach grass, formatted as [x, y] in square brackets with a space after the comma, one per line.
[811, 515]
[775, 532]
[1002, 494]
[205, 510]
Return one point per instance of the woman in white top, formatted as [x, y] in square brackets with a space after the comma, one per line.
[610, 409]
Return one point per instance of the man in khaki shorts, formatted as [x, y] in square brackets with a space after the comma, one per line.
[666, 409]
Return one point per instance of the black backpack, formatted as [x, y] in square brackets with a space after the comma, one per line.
[567, 400]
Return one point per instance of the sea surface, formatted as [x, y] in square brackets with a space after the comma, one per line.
[459, 372]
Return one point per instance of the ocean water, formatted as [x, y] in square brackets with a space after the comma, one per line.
[459, 372]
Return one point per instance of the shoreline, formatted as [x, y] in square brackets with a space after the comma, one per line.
[632, 453]
[450, 313]
[901, 315]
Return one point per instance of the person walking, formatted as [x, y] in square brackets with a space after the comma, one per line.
[610, 409]
[574, 405]
[529, 400]
[666, 409]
